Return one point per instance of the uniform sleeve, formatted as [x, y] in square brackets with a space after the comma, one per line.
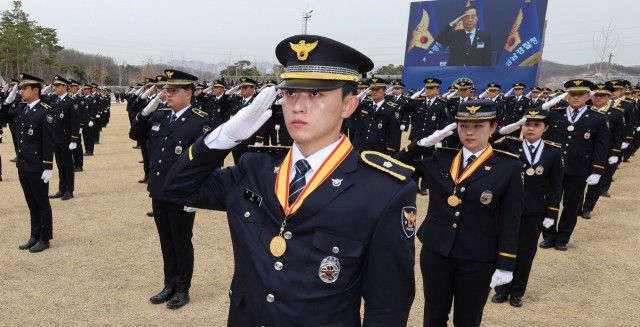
[393, 136]
[93, 108]
[47, 140]
[389, 281]
[509, 220]
[6, 114]
[140, 127]
[443, 37]
[76, 121]
[600, 148]
[618, 137]
[407, 113]
[555, 187]
[629, 128]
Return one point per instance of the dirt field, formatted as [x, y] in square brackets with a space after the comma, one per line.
[105, 259]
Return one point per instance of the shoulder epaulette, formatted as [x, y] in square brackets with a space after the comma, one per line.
[23, 101]
[512, 96]
[526, 97]
[405, 95]
[559, 108]
[367, 98]
[440, 98]
[392, 104]
[597, 110]
[420, 98]
[509, 137]
[282, 150]
[617, 108]
[626, 100]
[387, 164]
[199, 112]
[447, 149]
[71, 96]
[164, 109]
[454, 97]
[557, 145]
[507, 153]
[45, 105]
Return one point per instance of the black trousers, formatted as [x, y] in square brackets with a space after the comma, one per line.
[97, 127]
[573, 193]
[270, 135]
[36, 193]
[175, 228]
[593, 191]
[64, 162]
[238, 151]
[77, 153]
[465, 282]
[87, 134]
[145, 157]
[607, 177]
[530, 228]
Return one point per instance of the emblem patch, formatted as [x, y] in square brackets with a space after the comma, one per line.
[336, 181]
[433, 118]
[408, 220]
[397, 115]
[178, 149]
[379, 125]
[486, 197]
[387, 164]
[30, 132]
[75, 106]
[62, 115]
[275, 170]
[539, 170]
[302, 49]
[587, 135]
[49, 118]
[329, 270]
[206, 129]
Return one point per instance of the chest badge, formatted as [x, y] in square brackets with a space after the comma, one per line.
[408, 220]
[275, 170]
[178, 149]
[329, 270]
[379, 125]
[487, 168]
[62, 115]
[486, 197]
[539, 170]
[433, 118]
[30, 132]
[336, 181]
[587, 135]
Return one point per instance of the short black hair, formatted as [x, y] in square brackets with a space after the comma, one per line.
[190, 87]
[36, 86]
[469, 8]
[349, 89]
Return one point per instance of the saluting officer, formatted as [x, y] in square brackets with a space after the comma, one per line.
[90, 111]
[378, 124]
[170, 132]
[493, 94]
[13, 126]
[233, 106]
[516, 104]
[584, 136]
[351, 123]
[298, 260]
[67, 133]
[271, 126]
[97, 121]
[536, 99]
[214, 103]
[35, 156]
[470, 233]
[453, 102]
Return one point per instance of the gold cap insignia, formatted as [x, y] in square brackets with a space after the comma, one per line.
[429, 80]
[612, 82]
[473, 110]
[243, 79]
[56, 77]
[159, 78]
[302, 49]
[21, 76]
[411, 218]
[462, 83]
[491, 84]
[577, 82]
[397, 83]
[601, 86]
[517, 84]
[375, 80]
[170, 74]
[533, 113]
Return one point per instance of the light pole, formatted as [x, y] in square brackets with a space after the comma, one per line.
[305, 16]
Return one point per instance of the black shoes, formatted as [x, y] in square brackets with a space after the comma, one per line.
[96, 142]
[141, 161]
[423, 192]
[162, 297]
[144, 180]
[178, 301]
[499, 298]
[605, 194]
[546, 244]
[136, 147]
[30, 243]
[150, 214]
[67, 196]
[625, 160]
[515, 301]
[39, 247]
[586, 214]
[561, 247]
[78, 169]
[88, 154]
[58, 194]
[14, 159]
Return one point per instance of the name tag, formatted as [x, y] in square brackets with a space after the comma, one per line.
[364, 112]
[252, 197]
[480, 45]
[155, 127]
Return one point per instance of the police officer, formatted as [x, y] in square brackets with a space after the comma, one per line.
[233, 106]
[270, 130]
[76, 154]
[90, 112]
[493, 94]
[470, 233]
[170, 132]
[67, 133]
[97, 121]
[378, 124]
[351, 123]
[618, 99]
[536, 99]
[453, 102]
[584, 136]
[304, 264]
[213, 104]
[516, 104]
[13, 126]
[35, 156]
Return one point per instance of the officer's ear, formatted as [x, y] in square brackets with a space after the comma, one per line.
[493, 127]
[349, 105]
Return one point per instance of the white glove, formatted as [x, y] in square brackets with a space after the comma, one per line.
[613, 160]
[512, 127]
[277, 127]
[625, 145]
[593, 179]
[232, 90]
[12, 95]
[417, 94]
[279, 101]
[508, 93]
[501, 277]
[262, 88]
[592, 93]
[80, 130]
[548, 222]
[46, 175]
[638, 129]
[148, 92]
[451, 95]
[364, 93]
[258, 144]
[553, 102]
[437, 136]
[208, 90]
[402, 127]
[5, 88]
[139, 91]
[0, 136]
[91, 123]
[481, 96]
[190, 209]
[528, 94]
[73, 145]
[250, 118]
[389, 90]
[97, 115]
[439, 145]
[152, 106]
[46, 89]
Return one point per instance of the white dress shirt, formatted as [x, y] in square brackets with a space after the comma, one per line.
[315, 160]
[378, 104]
[466, 153]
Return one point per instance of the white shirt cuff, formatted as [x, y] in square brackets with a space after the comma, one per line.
[218, 140]
[144, 114]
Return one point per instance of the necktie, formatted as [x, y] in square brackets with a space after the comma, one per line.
[173, 118]
[574, 113]
[533, 148]
[57, 100]
[298, 183]
[468, 42]
[469, 160]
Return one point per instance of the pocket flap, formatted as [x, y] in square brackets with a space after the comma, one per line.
[346, 246]
[236, 293]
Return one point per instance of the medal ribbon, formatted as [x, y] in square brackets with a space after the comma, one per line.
[577, 117]
[527, 152]
[455, 166]
[328, 166]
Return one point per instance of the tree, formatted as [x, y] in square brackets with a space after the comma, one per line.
[604, 50]
[389, 70]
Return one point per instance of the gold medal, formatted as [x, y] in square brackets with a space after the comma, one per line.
[453, 201]
[530, 171]
[570, 128]
[278, 246]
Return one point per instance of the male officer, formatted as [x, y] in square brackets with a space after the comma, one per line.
[14, 125]
[67, 133]
[35, 156]
[212, 104]
[378, 124]
[233, 106]
[307, 264]
[536, 100]
[270, 130]
[618, 99]
[170, 132]
[584, 136]
[493, 94]
[515, 107]
[469, 46]
[351, 123]
[97, 128]
[74, 89]
[90, 112]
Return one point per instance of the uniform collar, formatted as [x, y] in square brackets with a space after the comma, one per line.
[379, 104]
[466, 153]
[179, 113]
[33, 104]
[315, 160]
[535, 145]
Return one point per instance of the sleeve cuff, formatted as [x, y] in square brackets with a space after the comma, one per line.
[218, 140]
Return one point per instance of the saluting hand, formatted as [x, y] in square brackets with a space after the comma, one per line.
[12, 95]
[457, 20]
[364, 93]
[437, 136]
[46, 89]
[232, 90]
[208, 90]
[250, 118]
[148, 92]
[153, 105]
[512, 127]
[417, 94]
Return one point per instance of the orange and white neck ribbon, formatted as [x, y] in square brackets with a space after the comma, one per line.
[455, 166]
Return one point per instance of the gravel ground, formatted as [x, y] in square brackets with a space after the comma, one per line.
[105, 260]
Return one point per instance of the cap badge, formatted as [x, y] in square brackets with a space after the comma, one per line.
[601, 86]
[577, 82]
[170, 74]
[21, 76]
[302, 49]
[243, 79]
[159, 78]
[612, 82]
[56, 78]
[473, 110]
[533, 113]
[375, 80]
[429, 80]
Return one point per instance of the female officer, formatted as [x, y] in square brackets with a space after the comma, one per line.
[542, 164]
[470, 234]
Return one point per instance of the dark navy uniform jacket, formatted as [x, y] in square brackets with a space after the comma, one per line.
[586, 147]
[542, 192]
[67, 114]
[615, 116]
[167, 143]
[514, 109]
[378, 130]
[629, 117]
[232, 106]
[472, 230]
[425, 121]
[214, 107]
[356, 215]
[34, 132]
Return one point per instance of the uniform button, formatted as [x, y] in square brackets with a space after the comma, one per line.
[287, 235]
[368, 130]
[230, 292]
[21, 132]
[158, 174]
[569, 137]
[165, 137]
[20, 141]
[159, 161]
[462, 189]
[247, 214]
[455, 225]
[457, 213]
[567, 144]
[565, 152]
[271, 298]
[162, 149]
[278, 265]
[525, 165]
[335, 249]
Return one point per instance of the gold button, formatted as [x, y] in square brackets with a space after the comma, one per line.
[159, 161]
[162, 149]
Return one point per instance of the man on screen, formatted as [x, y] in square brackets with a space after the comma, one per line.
[469, 46]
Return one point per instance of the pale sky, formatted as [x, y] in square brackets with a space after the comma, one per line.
[213, 31]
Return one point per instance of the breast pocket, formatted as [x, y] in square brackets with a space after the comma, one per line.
[335, 259]
[246, 224]
[178, 145]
